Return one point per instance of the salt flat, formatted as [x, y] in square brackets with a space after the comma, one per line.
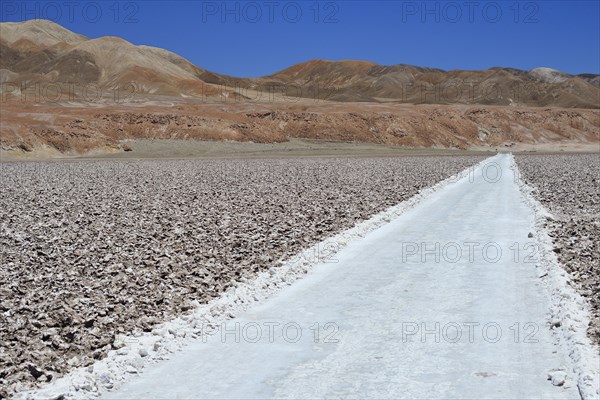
[436, 304]
[92, 249]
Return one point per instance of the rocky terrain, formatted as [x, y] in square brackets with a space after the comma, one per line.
[92, 249]
[40, 53]
[63, 94]
[568, 186]
[73, 129]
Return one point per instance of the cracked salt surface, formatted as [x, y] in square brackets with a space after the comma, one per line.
[369, 298]
[569, 312]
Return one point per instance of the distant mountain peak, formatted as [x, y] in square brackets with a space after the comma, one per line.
[38, 31]
[549, 75]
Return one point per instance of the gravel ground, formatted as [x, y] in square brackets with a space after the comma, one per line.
[91, 249]
[568, 185]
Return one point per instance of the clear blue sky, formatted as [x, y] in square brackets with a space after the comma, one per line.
[250, 39]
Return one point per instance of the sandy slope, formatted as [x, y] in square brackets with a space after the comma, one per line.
[374, 304]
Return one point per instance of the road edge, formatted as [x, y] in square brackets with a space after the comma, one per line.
[568, 316]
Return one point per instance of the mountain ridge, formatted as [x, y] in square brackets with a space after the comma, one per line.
[41, 51]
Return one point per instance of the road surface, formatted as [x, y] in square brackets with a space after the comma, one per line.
[442, 302]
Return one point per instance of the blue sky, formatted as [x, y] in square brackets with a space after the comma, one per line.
[256, 38]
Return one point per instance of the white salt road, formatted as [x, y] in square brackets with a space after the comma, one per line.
[389, 315]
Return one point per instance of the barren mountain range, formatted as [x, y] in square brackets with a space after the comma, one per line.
[75, 81]
[42, 51]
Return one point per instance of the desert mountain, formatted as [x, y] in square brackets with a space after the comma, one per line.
[38, 32]
[40, 51]
[365, 81]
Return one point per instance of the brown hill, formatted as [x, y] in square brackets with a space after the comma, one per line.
[42, 52]
[364, 81]
[39, 51]
[175, 99]
[38, 31]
